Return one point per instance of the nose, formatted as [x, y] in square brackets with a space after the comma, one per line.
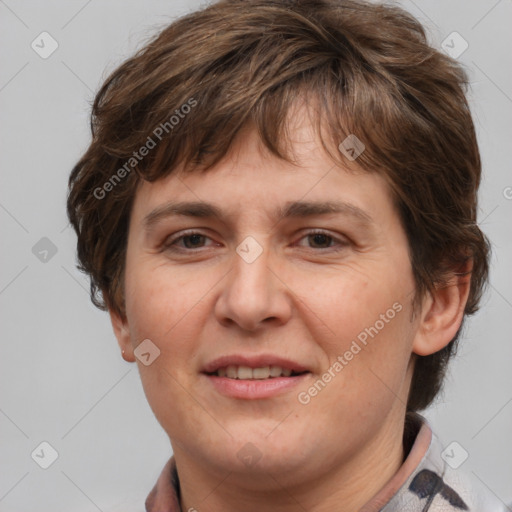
[253, 295]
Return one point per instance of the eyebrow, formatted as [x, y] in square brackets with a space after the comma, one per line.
[293, 209]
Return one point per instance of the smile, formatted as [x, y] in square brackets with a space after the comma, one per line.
[248, 373]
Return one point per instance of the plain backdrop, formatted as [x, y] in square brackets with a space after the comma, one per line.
[62, 379]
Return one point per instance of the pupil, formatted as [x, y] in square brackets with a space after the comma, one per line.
[320, 239]
[195, 239]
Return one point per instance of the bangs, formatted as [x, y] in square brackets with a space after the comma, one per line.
[197, 146]
[190, 119]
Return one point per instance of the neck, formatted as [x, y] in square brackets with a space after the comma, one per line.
[347, 484]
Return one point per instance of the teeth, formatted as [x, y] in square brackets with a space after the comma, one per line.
[246, 373]
[232, 372]
[275, 371]
[261, 373]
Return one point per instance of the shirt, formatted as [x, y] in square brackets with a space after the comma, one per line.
[430, 479]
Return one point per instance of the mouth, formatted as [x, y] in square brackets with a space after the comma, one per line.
[254, 377]
[248, 373]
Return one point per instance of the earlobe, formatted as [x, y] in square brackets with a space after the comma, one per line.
[442, 314]
[122, 333]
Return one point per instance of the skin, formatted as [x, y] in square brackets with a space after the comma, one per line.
[303, 298]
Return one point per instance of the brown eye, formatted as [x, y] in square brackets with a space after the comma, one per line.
[186, 242]
[320, 239]
[323, 241]
[195, 240]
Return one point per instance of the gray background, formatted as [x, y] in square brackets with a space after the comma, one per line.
[62, 379]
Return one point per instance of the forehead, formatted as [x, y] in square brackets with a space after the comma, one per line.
[251, 179]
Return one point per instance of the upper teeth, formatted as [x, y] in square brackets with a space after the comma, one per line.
[244, 372]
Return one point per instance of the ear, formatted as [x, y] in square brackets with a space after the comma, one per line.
[442, 313]
[122, 332]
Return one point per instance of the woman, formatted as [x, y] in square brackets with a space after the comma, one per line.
[278, 211]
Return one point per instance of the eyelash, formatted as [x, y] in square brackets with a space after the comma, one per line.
[169, 245]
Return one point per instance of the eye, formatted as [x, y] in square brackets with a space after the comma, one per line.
[324, 240]
[187, 241]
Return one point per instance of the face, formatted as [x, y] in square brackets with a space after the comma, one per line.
[284, 328]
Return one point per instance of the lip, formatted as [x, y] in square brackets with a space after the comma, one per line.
[254, 361]
[255, 389]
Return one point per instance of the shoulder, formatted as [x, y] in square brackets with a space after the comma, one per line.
[443, 480]
[475, 493]
[438, 479]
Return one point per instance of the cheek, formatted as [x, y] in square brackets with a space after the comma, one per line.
[158, 298]
[362, 317]
[352, 303]
[164, 306]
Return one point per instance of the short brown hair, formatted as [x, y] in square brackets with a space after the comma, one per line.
[371, 72]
